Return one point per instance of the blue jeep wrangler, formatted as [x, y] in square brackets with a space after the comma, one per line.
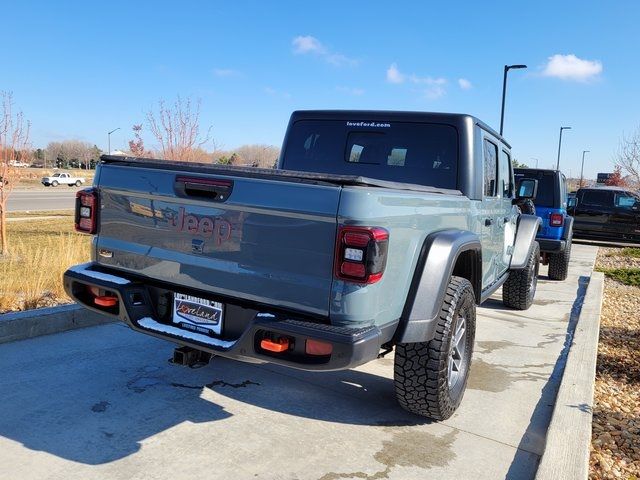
[556, 230]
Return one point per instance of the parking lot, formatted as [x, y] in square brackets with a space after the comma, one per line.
[103, 402]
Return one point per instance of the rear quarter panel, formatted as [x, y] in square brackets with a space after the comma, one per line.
[409, 217]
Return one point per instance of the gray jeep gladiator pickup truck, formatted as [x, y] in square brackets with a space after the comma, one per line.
[377, 230]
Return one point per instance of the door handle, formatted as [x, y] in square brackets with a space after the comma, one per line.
[488, 222]
[505, 220]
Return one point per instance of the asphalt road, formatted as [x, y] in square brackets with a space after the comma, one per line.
[103, 402]
[58, 198]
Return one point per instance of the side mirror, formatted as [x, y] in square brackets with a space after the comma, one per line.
[527, 189]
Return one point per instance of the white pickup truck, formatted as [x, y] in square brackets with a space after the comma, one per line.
[62, 178]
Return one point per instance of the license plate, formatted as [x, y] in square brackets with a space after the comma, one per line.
[197, 314]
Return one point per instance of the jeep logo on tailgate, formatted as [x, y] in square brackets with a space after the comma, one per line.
[218, 228]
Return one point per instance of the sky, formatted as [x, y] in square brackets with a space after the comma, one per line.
[80, 69]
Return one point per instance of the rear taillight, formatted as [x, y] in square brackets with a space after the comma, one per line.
[556, 220]
[86, 220]
[361, 254]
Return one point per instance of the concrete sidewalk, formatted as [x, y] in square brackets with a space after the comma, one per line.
[103, 402]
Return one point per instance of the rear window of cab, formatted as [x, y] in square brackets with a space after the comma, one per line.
[419, 153]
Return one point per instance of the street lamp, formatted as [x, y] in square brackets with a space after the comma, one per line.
[582, 168]
[504, 90]
[109, 138]
[560, 146]
[534, 158]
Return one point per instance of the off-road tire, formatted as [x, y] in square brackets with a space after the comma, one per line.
[421, 370]
[520, 288]
[559, 263]
[54, 183]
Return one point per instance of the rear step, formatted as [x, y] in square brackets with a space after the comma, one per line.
[190, 357]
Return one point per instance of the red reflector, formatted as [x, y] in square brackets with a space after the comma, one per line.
[316, 347]
[85, 224]
[278, 346]
[557, 219]
[105, 301]
[354, 239]
[353, 269]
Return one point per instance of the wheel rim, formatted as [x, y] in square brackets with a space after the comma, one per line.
[457, 353]
[533, 282]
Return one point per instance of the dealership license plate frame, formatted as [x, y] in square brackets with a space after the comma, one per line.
[196, 314]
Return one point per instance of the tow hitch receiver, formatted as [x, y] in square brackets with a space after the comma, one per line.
[190, 357]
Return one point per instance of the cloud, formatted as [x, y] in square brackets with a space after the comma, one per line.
[309, 45]
[435, 87]
[351, 91]
[276, 93]
[570, 67]
[226, 72]
[394, 75]
[464, 84]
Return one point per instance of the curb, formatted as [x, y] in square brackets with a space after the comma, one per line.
[45, 321]
[566, 453]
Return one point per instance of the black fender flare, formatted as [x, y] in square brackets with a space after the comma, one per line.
[528, 226]
[435, 266]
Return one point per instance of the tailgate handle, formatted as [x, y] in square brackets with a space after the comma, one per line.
[210, 188]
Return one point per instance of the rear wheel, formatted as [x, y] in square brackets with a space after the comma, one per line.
[78, 183]
[559, 263]
[430, 377]
[520, 288]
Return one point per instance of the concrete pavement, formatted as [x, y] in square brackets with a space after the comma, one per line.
[58, 198]
[103, 402]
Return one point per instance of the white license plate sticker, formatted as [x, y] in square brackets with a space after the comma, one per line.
[197, 314]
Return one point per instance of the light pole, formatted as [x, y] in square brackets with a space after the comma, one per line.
[534, 158]
[109, 138]
[504, 90]
[560, 146]
[582, 168]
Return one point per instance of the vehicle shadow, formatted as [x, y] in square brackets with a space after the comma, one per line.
[101, 406]
[541, 416]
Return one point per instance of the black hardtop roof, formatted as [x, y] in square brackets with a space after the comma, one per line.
[456, 119]
[607, 187]
[550, 170]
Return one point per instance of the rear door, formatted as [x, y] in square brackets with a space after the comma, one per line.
[255, 239]
[491, 212]
[593, 211]
[507, 220]
[625, 218]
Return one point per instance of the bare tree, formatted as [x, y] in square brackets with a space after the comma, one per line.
[14, 147]
[628, 156]
[264, 156]
[177, 130]
[72, 153]
[136, 145]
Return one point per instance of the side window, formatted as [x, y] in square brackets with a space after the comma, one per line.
[597, 198]
[490, 168]
[625, 200]
[505, 174]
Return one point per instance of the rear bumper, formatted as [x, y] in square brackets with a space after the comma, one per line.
[351, 346]
[551, 246]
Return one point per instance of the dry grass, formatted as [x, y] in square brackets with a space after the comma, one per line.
[30, 177]
[41, 250]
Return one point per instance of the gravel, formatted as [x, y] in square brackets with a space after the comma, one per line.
[615, 446]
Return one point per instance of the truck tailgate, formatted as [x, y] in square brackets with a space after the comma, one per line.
[262, 240]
